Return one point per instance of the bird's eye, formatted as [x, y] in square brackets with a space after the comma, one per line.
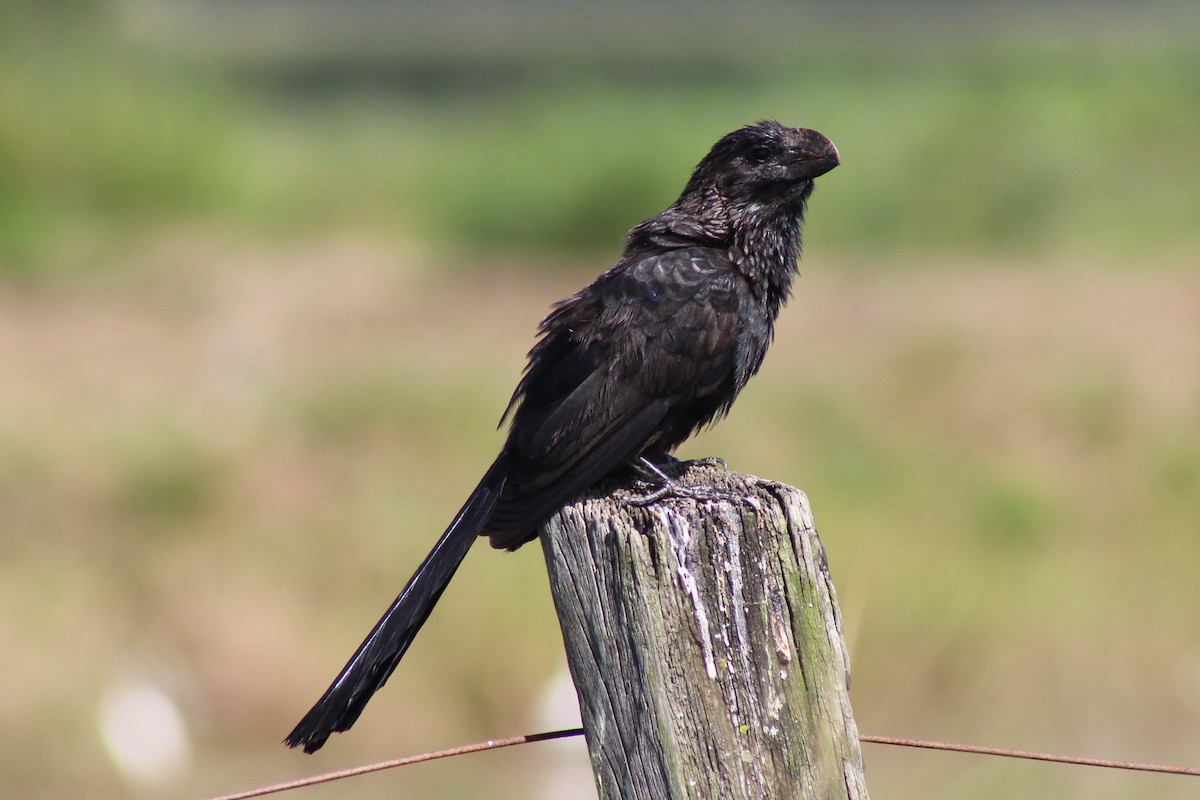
[758, 153]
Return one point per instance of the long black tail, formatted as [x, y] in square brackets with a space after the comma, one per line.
[376, 658]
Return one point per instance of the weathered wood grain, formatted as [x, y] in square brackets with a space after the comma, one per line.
[704, 640]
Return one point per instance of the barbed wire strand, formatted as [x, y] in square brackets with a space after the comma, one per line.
[326, 777]
[1033, 756]
[496, 744]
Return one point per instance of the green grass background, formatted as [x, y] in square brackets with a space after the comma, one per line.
[267, 271]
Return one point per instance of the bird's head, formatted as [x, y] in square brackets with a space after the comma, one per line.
[766, 163]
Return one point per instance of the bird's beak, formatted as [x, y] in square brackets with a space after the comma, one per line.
[815, 156]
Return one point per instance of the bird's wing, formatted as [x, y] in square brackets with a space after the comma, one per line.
[652, 340]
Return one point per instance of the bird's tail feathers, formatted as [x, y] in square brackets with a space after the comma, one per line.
[376, 658]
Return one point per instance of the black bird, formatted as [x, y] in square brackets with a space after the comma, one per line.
[626, 369]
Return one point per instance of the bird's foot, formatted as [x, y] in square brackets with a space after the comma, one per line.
[666, 486]
[653, 468]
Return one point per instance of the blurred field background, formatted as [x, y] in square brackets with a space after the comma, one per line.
[268, 271]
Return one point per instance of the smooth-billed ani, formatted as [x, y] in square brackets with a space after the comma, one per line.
[657, 347]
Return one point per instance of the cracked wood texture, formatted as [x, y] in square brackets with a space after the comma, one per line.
[704, 639]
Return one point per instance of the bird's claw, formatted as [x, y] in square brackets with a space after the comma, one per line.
[708, 461]
[666, 486]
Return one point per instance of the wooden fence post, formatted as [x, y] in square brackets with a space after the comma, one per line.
[705, 643]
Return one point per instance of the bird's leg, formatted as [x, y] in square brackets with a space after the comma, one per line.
[653, 474]
[666, 486]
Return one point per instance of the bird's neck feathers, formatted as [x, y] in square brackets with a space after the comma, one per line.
[762, 239]
[696, 219]
[765, 244]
